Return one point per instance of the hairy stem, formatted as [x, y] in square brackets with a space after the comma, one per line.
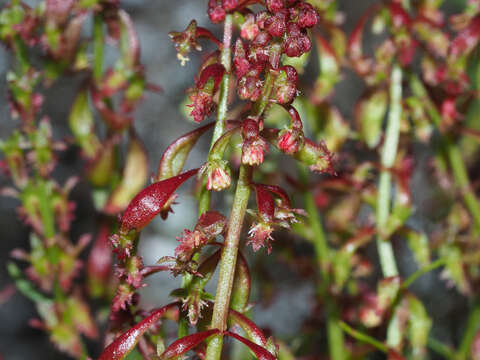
[389, 152]
[228, 261]
[230, 249]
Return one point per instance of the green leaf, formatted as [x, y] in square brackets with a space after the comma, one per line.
[370, 112]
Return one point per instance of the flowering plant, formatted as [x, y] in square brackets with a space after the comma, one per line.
[354, 179]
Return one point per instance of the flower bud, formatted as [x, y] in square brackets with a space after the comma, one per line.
[286, 85]
[296, 42]
[216, 12]
[290, 141]
[307, 16]
[276, 25]
[253, 146]
[240, 62]
[218, 175]
[249, 29]
[275, 5]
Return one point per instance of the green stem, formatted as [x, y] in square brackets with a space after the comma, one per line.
[473, 325]
[336, 341]
[21, 52]
[440, 348]
[319, 238]
[45, 208]
[357, 335]
[232, 239]
[389, 152]
[454, 154]
[98, 48]
[226, 61]
[222, 112]
[430, 267]
[228, 261]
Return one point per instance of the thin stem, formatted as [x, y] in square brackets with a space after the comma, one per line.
[430, 267]
[454, 154]
[232, 239]
[226, 61]
[319, 237]
[222, 112]
[440, 348]
[98, 48]
[228, 261]
[336, 341]
[473, 325]
[389, 152]
[357, 335]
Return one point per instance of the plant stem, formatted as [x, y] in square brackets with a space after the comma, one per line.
[454, 154]
[440, 348]
[389, 152]
[98, 48]
[230, 248]
[222, 112]
[336, 341]
[430, 267]
[473, 325]
[226, 61]
[228, 261]
[363, 337]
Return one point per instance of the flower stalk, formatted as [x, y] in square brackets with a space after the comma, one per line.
[389, 152]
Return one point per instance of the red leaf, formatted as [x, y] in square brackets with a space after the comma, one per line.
[265, 203]
[254, 333]
[186, 343]
[214, 71]
[467, 39]
[151, 201]
[260, 352]
[126, 342]
[174, 157]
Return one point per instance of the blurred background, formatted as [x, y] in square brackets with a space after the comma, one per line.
[158, 121]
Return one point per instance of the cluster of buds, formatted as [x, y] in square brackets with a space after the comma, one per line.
[272, 212]
[281, 29]
[209, 226]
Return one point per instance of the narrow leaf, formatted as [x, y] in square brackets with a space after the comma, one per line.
[174, 157]
[370, 112]
[135, 175]
[81, 124]
[151, 201]
[186, 343]
[126, 342]
[253, 332]
[241, 285]
[260, 352]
